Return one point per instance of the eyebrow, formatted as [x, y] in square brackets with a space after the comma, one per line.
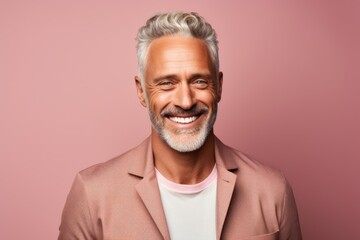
[170, 76]
[200, 75]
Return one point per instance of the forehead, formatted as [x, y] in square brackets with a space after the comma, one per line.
[175, 53]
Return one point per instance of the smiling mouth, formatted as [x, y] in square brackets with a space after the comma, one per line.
[181, 116]
[184, 120]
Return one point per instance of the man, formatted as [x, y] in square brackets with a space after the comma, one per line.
[181, 182]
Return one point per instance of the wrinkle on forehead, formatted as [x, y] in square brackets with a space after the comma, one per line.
[171, 54]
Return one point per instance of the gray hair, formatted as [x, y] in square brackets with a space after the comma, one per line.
[177, 24]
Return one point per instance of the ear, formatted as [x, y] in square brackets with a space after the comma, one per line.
[220, 83]
[140, 91]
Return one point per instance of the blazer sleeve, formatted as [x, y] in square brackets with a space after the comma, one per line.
[76, 222]
[289, 225]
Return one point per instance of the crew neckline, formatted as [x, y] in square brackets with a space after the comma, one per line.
[187, 188]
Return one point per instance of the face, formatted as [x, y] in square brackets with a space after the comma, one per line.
[181, 91]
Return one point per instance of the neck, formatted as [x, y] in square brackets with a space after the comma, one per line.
[184, 168]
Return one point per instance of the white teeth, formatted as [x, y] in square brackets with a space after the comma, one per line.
[183, 119]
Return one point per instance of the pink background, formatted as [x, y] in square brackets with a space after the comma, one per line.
[290, 99]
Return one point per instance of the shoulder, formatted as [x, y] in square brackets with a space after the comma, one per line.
[262, 198]
[117, 168]
[251, 174]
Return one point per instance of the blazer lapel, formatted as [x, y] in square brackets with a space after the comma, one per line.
[150, 195]
[225, 188]
[147, 188]
[226, 184]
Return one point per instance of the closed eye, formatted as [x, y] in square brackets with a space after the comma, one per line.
[165, 83]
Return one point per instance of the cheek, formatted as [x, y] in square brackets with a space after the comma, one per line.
[157, 99]
[208, 97]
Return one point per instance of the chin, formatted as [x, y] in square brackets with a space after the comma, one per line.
[185, 142]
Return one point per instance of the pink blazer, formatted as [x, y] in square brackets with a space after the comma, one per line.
[120, 199]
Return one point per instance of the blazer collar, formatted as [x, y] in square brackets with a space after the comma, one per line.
[143, 161]
[143, 166]
[224, 156]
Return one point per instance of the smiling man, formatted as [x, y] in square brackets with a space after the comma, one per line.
[181, 91]
[181, 182]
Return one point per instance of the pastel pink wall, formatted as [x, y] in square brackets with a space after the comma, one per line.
[291, 99]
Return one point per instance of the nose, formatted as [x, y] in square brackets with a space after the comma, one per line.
[183, 97]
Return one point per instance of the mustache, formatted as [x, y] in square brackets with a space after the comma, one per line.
[173, 111]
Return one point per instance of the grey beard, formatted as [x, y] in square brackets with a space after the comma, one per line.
[180, 142]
